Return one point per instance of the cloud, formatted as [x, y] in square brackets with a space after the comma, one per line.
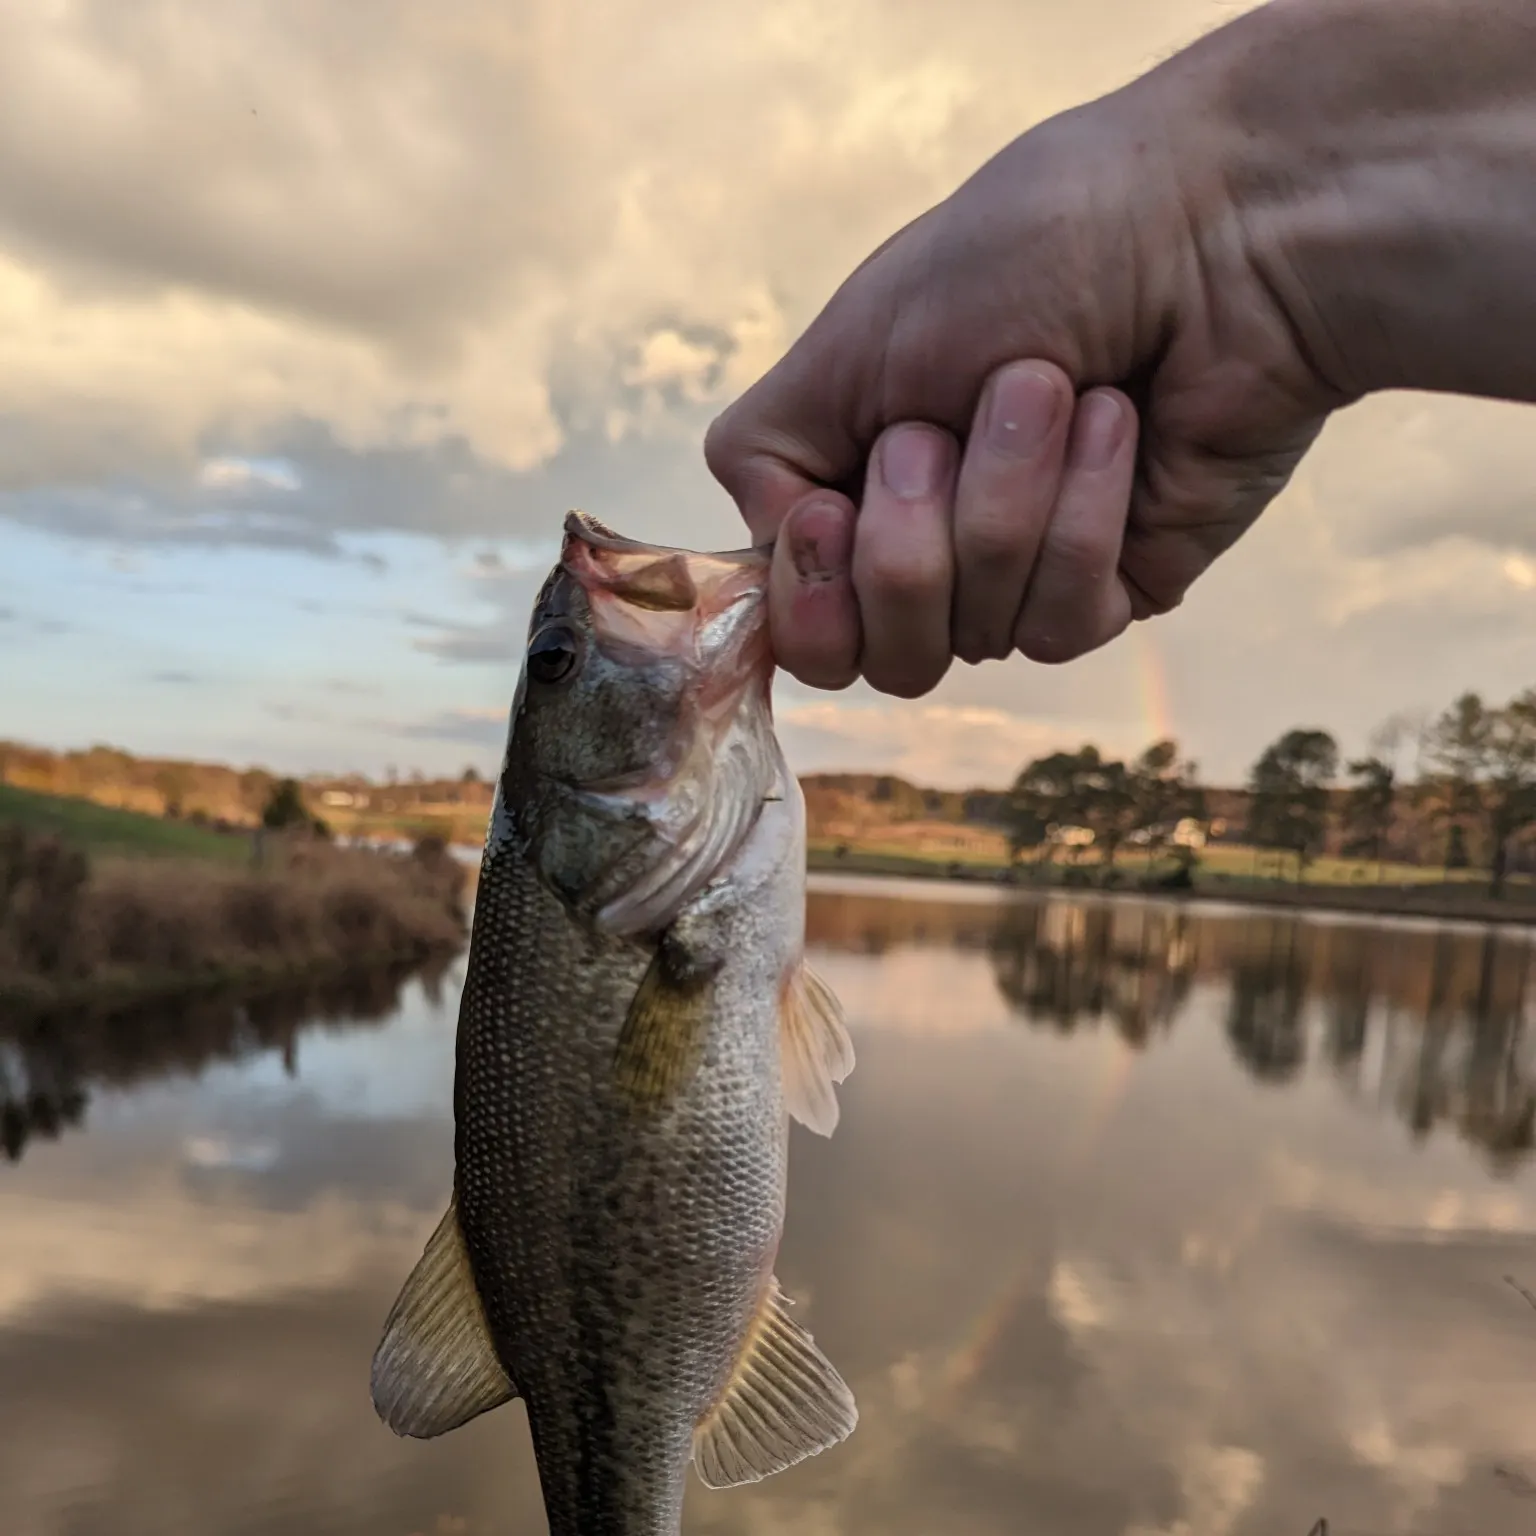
[39, 624]
[477, 727]
[414, 227]
[289, 277]
[1405, 472]
[489, 643]
[953, 746]
[231, 473]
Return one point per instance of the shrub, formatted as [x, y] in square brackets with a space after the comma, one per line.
[312, 904]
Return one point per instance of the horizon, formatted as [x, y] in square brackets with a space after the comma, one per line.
[321, 323]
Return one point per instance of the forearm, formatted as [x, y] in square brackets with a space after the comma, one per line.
[1379, 159]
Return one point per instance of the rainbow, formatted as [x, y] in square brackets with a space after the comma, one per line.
[1152, 684]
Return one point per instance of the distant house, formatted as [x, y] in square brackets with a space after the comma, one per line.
[1069, 837]
[1186, 833]
[1189, 833]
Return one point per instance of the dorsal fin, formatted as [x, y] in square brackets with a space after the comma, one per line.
[815, 1049]
[436, 1367]
[784, 1402]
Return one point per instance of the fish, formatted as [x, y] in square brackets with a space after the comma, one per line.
[637, 1029]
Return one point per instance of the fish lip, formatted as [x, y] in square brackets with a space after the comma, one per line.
[583, 526]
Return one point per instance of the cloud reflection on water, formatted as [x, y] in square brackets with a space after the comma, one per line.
[1136, 1224]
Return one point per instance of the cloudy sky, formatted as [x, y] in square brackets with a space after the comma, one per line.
[315, 318]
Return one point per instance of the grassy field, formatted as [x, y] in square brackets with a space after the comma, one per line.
[101, 831]
[1225, 862]
[464, 826]
[1227, 873]
[99, 904]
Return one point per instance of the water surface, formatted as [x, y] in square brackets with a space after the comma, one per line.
[1142, 1220]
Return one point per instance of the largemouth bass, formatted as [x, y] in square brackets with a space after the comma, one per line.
[637, 1026]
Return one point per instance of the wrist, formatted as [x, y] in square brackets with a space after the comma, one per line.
[1373, 161]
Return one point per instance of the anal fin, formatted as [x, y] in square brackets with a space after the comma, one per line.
[785, 1401]
[436, 1367]
[816, 1050]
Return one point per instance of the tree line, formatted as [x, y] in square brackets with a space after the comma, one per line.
[1469, 795]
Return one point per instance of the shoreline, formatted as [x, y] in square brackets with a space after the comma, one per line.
[123, 989]
[1429, 903]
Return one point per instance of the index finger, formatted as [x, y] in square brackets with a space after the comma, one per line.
[769, 469]
[797, 429]
[764, 486]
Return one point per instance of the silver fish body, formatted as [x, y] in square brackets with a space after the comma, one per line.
[636, 1027]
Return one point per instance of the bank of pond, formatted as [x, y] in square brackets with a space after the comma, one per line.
[1446, 899]
[78, 927]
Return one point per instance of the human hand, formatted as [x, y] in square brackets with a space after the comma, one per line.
[982, 384]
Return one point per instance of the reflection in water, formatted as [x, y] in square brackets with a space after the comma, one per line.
[1448, 1006]
[1121, 1234]
[1066, 964]
[48, 1063]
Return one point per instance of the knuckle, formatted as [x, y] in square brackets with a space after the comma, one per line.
[1151, 596]
[828, 663]
[991, 538]
[1081, 554]
[902, 577]
[908, 679]
[828, 677]
[974, 646]
[720, 447]
[1051, 646]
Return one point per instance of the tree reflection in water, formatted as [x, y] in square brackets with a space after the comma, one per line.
[50, 1063]
[1065, 964]
[1430, 1022]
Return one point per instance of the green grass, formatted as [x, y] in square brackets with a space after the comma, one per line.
[103, 831]
[1239, 862]
[1220, 862]
[1227, 873]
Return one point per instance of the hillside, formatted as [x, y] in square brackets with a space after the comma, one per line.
[222, 798]
[879, 811]
[876, 811]
[106, 830]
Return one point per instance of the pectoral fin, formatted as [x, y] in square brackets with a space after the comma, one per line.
[817, 1052]
[662, 1040]
[436, 1367]
[785, 1401]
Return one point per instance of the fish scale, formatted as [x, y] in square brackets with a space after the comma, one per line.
[618, 1262]
[637, 1027]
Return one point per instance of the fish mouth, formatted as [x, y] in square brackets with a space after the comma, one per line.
[660, 578]
[705, 608]
[598, 535]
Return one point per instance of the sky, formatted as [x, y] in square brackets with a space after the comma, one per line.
[315, 318]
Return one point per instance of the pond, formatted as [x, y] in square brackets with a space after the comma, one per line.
[1143, 1219]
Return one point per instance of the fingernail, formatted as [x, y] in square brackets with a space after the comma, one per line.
[914, 461]
[1097, 431]
[820, 541]
[1021, 411]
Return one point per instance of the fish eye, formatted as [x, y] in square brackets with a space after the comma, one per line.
[552, 655]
